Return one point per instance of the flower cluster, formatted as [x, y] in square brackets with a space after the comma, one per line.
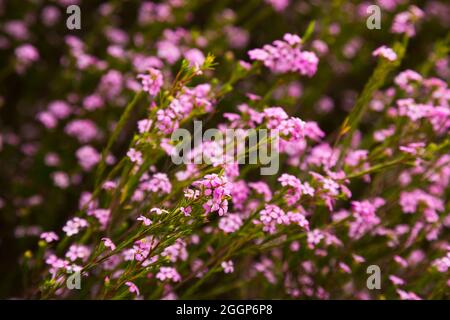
[285, 56]
[358, 150]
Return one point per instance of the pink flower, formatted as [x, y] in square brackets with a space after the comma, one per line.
[299, 219]
[230, 223]
[396, 280]
[88, 157]
[409, 202]
[142, 249]
[74, 226]
[102, 216]
[261, 188]
[60, 109]
[168, 119]
[168, 50]
[47, 119]
[158, 183]
[279, 5]
[442, 264]
[187, 211]
[344, 267]
[168, 273]
[285, 56]
[314, 237]
[26, 54]
[135, 156]
[132, 287]
[402, 262]
[78, 252]
[177, 251]
[405, 295]
[109, 244]
[93, 102]
[151, 82]
[195, 57]
[386, 53]
[191, 194]
[145, 221]
[412, 148]
[271, 216]
[61, 179]
[84, 130]
[49, 236]
[144, 125]
[404, 21]
[406, 79]
[109, 185]
[293, 185]
[111, 84]
[216, 189]
[228, 266]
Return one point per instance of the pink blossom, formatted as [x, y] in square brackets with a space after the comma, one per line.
[386, 53]
[285, 56]
[176, 252]
[195, 57]
[26, 54]
[74, 226]
[412, 148]
[78, 252]
[404, 21]
[102, 215]
[109, 244]
[406, 79]
[396, 280]
[145, 221]
[135, 156]
[216, 189]
[132, 288]
[61, 179]
[142, 249]
[278, 5]
[271, 216]
[405, 295]
[88, 157]
[186, 210]
[49, 236]
[151, 82]
[60, 109]
[228, 266]
[168, 273]
[230, 223]
[84, 130]
[144, 125]
[344, 267]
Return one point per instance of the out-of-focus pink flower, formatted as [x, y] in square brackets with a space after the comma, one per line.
[195, 57]
[385, 52]
[49, 236]
[168, 273]
[83, 129]
[145, 221]
[228, 266]
[26, 54]
[108, 243]
[135, 156]
[132, 288]
[88, 157]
